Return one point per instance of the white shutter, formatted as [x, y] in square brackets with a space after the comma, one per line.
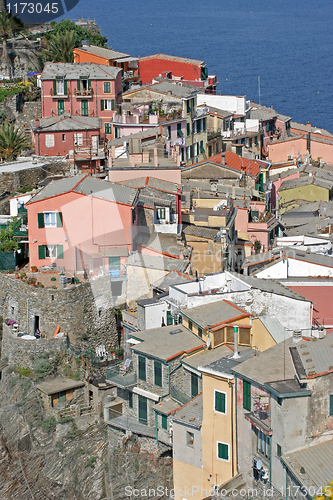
[49, 140]
[78, 139]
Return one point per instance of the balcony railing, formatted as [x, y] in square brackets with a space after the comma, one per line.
[117, 376]
[179, 395]
[118, 273]
[124, 422]
[84, 93]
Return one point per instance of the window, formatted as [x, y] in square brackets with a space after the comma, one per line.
[331, 405]
[160, 213]
[169, 318]
[114, 264]
[158, 373]
[182, 154]
[202, 149]
[279, 401]
[78, 139]
[179, 130]
[143, 413]
[164, 422]
[200, 332]
[191, 151]
[209, 150]
[60, 86]
[107, 104]
[188, 128]
[84, 107]
[198, 126]
[190, 325]
[169, 131]
[116, 133]
[220, 400]
[130, 399]
[142, 368]
[107, 128]
[196, 149]
[50, 252]
[278, 450]
[61, 106]
[49, 140]
[263, 442]
[194, 385]
[188, 152]
[189, 438]
[49, 219]
[63, 137]
[204, 124]
[246, 395]
[107, 87]
[223, 451]
[188, 106]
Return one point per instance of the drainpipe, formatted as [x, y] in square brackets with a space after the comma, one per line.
[236, 427]
[156, 425]
[232, 430]
[270, 460]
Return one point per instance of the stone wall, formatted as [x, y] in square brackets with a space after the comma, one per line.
[24, 352]
[84, 311]
[12, 181]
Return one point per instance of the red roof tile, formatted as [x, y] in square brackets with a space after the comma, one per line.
[236, 162]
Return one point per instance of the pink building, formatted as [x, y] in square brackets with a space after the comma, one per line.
[299, 147]
[82, 223]
[87, 89]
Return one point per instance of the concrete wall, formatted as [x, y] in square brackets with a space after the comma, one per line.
[16, 179]
[292, 268]
[165, 174]
[232, 103]
[261, 338]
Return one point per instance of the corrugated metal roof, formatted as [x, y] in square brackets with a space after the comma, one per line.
[312, 466]
[273, 325]
[103, 52]
[167, 341]
[173, 278]
[73, 71]
[273, 364]
[317, 355]
[158, 262]
[58, 187]
[214, 313]
[191, 413]
[107, 190]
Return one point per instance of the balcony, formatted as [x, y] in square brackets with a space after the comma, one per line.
[84, 94]
[179, 395]
[117, 376]
[260, 417]
[124, 422]
[58, 96]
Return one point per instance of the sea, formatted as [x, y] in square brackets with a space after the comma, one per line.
[287, 43]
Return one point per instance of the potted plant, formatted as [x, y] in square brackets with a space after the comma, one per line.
[34, 269]
[120, 353]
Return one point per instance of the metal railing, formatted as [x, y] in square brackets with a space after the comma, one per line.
[179, 395]
[118, 376]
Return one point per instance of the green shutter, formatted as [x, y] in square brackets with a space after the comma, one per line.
[61, 107]
[220, 401]
[130, 399]
[84, 107]
[102, 104]
[194, 385]
[60, 252]
[65, 87]
[114, 263]
[188, 127]
[78, 85]
[209, 150]
[246, 395]
[59, 219]
[41, 252]
[89, 84]
[164, 422]
[191, 151]
[54, 87]
[331, 405]
[40, 220]
[158, 373]
[142, 368]
[223, 451]
[169, 318]
[204, 124]
[112, 104]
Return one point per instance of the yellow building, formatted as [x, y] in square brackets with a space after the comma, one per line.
[305, 188]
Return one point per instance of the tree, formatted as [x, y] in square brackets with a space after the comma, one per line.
[80, 33]
[12, 141]
[257, 246]
[60, 47]
[6, 31]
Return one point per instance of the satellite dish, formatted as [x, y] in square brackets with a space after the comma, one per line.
[259, 464]
[208, 343]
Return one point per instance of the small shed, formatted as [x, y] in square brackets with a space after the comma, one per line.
[60, 390]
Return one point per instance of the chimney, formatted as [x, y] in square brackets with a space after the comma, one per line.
[155, 158]
[223, 159]
[113, 152]
[132, 160]
[235, 355]
[37, 120]
[308, 124]
[178, 160]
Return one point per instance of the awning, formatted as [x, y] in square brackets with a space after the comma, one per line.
[133, 341]
[33, 73]
[146, 394]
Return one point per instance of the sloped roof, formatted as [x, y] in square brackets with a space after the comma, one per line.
[269, 286]
[172, 278]
[89, 186]
[73, 71]
[191, 413]
[232, 161]
[273, 364]
[305, 181]
[67, 123]
[162, 243]
[158, 262]
[312, 466]
[274, 327]
[185, 60]
[306, 128]
[167, 342]
[316, 356]
[200, 231]
[177, 90]
[102, 52]
[152, 182]
[214, 313]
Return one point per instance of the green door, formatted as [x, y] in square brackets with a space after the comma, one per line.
[143, 410]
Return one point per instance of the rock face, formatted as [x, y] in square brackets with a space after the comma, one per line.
[76, 460]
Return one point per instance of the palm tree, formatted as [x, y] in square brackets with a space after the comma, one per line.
[59, 47]
[12, 141]
[6, 31]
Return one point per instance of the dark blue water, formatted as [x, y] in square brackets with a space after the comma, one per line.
[289, 43]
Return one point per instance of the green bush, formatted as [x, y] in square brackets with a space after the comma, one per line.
[65, 419]
[49, 424]
[60, 446]
[91, 461]
[23, 372]
[42, 368]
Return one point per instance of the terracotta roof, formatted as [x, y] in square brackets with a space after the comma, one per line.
[236, 162]
[185, 60]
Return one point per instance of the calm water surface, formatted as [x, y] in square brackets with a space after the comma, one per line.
[288, 43]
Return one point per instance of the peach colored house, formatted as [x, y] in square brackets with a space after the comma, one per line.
[81, 223]
[298, 147]
[88, 90]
